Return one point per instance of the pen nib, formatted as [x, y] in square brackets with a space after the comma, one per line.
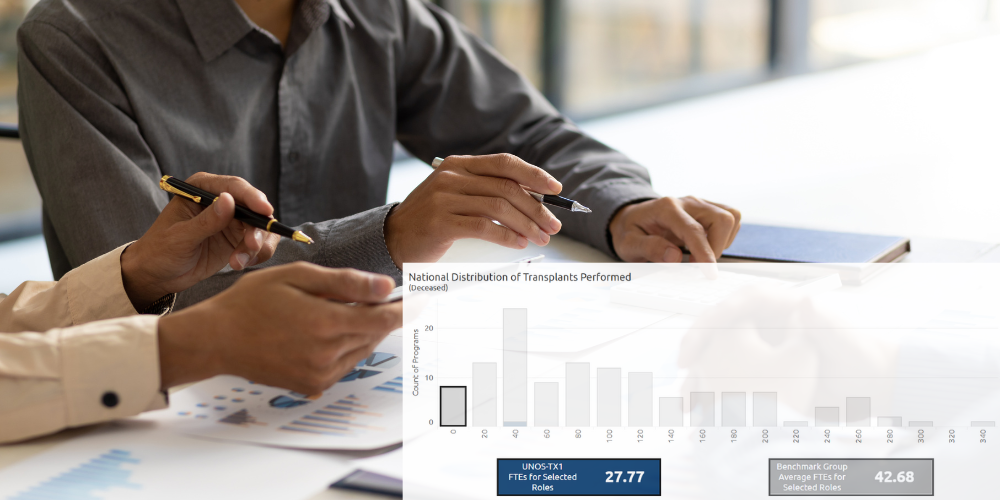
[301, 237]
[577, 207]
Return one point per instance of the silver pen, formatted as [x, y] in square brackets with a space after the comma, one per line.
[548, 199]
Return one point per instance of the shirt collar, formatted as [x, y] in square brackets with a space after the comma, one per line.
[216, 25]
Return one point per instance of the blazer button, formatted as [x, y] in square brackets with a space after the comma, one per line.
[110, 399]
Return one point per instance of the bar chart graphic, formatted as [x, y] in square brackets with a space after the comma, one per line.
[540, 363]
[104, 473]
[521, 354]
[625, 398]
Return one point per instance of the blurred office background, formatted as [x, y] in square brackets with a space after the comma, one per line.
[599, 58]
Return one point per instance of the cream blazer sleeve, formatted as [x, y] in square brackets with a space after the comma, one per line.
[75, 352]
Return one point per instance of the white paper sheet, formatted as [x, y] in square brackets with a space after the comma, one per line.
[140, 460]
[361, 412]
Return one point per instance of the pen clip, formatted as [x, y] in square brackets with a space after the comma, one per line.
[170, 189]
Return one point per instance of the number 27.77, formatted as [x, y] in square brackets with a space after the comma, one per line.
[617, 475]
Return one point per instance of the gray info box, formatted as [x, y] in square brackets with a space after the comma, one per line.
[820, 477]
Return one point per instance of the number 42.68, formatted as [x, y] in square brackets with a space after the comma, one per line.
[887, 477]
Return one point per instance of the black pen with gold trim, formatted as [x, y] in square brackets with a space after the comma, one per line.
[243, 214]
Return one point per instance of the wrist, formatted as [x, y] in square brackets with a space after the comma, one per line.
[138, 286]
[617, 224]
[391, 242]
[185, 352]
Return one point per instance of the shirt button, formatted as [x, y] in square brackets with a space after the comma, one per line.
[293, 156]
[109, 399]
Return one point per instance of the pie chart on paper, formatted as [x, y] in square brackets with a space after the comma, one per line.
[373, 365]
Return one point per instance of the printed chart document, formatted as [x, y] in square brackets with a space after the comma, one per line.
[138, 460]
[360, 412]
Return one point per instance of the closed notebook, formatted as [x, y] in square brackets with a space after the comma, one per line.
[785, 244]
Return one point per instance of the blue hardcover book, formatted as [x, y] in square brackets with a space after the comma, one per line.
[786, 244]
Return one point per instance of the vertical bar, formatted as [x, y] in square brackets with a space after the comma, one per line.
[640, 399]
[515, 367]
[484, 394]
[609, 397]
[773, 39]
[984, 423]
[554, 14]
[696, 30]
[452, 406]
[921, 423]
[765, 409]
[859, 412]
[734, 409]
[546, 404]
[578, 394]
[671, 412]
[788, 41]
[889, 421]
[828, 416]
[702, 409]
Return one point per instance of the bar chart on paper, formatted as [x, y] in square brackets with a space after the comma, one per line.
[105, 473]
[361, 411]
[553, 368]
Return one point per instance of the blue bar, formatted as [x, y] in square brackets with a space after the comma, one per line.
[342, 408]
[327, 419]
[578, 477]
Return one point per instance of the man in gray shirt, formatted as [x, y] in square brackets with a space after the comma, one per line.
[304, 99]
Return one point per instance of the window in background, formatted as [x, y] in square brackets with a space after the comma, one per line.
[621, 54]
[624, 54]
[19, 200]
[846, 31]
[512, 27]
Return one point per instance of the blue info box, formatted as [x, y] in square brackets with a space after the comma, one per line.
[578, 476]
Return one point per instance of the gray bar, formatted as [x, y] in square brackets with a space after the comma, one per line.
[921, 423]
[828, 417]
[796, 423]
[484, 394]
[859, 412]
[515, 367]
[609, 397]
[671, 412]
[983, 423]
[890, 421]
[734, 409]
[702, 409]
[640, 399]
[452, 406]
[765, 409]
[546, 404]
[852, 477]
[578, 394]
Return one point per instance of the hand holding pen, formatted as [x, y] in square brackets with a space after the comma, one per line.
[548, 199]
[187, 243]
[242, 214]
[462, 198]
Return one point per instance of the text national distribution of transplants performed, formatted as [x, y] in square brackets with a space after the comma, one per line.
[515, 277]
[688, 381]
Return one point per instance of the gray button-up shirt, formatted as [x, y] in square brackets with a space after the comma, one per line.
[113, 95]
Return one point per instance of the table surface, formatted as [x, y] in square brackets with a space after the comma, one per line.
[902, 147]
